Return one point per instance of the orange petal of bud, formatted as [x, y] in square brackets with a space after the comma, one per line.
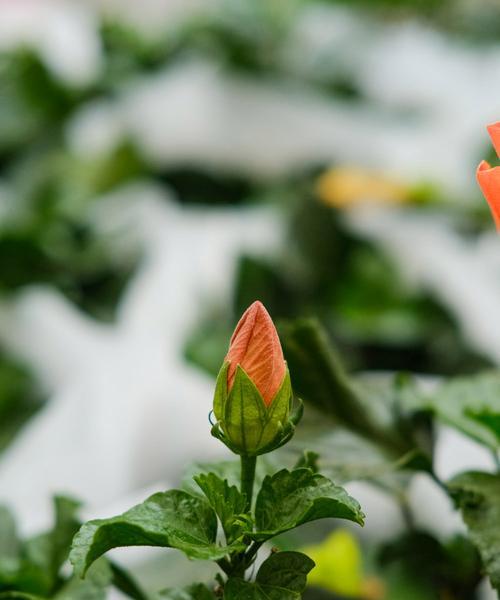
[255, 346]
[494, 131]
[488, 179]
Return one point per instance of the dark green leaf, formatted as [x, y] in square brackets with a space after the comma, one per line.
[228, 503]
[319, 378]
[281, 577]
[123, 581]
[452, 568]
[478, 497]
[19, 398]
[44, 554]
[287, 570]
[172, 519]
[9, 542]
[65, 527]
[290, 498]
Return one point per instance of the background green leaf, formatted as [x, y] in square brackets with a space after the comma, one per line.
[318, 376]
[470, 404]
[478, 497]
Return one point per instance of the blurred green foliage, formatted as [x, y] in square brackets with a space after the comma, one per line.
[325, 271]
[20, 398]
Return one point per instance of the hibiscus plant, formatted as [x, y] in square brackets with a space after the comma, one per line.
[228, 524]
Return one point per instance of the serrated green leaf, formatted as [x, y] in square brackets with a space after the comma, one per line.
[478, 497]
[470, 404]
[173, 519]
[228, 503]
[291, 498]
[282, 576]
[193, 592]
[226, 469]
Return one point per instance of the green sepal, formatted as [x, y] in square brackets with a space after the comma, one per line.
[244, 423]
[220, 395]
[245, 414]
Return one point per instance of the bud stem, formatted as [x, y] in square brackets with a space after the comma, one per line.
[248, 464]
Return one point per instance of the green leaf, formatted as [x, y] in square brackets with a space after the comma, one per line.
[193, 592]
[282, 576]
[173, 519]
[321, 380]
[308, 460]
[19, 397]
[44, 554]
[124, 581]
[452, 567]
[290, 498]
[478, 497]
[228, 503]
[94, 587]
[470, 404]
[65, 527]
[9, 542]
[287, 570]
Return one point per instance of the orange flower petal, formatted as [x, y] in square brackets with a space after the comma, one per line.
[494, 131]
[488, 179]
[255, 346]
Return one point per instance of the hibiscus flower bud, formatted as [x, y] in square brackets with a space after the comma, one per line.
[253, 392]
[488, 177]
[255, 346]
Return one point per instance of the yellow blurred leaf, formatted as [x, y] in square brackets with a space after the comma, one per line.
[346, 186]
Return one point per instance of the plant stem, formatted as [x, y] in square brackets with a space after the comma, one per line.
[248, 464]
